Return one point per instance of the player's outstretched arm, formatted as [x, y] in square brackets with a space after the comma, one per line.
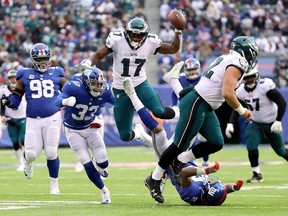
[230, 188]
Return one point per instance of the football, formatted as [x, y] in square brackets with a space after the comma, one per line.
[177, 19]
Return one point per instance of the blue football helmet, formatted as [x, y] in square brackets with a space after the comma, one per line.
[40, 55]
[95, 81]
[136, 32]
[192, 68]
[213, 192]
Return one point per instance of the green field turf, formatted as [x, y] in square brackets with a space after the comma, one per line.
[129, 166]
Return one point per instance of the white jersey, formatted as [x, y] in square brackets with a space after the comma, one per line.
[263, 109]
[18, 113]
[210, 84]
[128, 62]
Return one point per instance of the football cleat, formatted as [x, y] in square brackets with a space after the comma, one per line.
[28, 169]
[257, 177]
[106, 197]
[54, 188]
[79, 167]
[144, 137]
[128, 86]
[176, 168]
[20, 168]
[154, 187]
[173, 73]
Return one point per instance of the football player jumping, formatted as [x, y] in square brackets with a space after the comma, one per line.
[41, 85]
[131, 50]
[197, 187]
[82, 101]
[197, 106]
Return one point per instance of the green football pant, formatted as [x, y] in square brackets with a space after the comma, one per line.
[255, 132]
[124, 109]
[197, 116]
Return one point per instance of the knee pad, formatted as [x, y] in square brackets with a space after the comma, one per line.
[29, 156]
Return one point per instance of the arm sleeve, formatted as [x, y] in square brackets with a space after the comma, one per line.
[16, 100]
[277, 98]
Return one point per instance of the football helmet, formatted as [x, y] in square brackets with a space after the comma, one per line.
[136, 32]
[95, 81]
[247, 48]
[192, 68]
[11, 83]
[40, 55]
[251, 78]
[213, 192]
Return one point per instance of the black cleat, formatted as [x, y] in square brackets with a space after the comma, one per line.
[257, 177]
[176, 168]
[154, 188]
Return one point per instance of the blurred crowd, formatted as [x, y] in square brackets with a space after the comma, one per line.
[74, 29]
[212, 24]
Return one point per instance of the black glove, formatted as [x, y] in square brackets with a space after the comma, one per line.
[6, 101]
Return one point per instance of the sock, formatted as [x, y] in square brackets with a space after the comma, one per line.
[147, 119]
[54, 180]
[18, 153]
[93, 175]
[187, 156]
[256, 169]
[104, 189]
[53, 167]
[136, 101]
[161, 141]
[176, 86]
[158, 173]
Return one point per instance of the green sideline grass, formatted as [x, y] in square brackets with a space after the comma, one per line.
[20, 196]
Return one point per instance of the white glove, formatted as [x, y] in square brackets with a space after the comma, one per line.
[70, 101]
[85, 64]
[229, 130]
[276, 127]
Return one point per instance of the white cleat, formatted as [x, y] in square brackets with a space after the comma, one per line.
[28, 169]
[54, 188]
[144, 137]
[128, 86]
[20, 168]
[106, 197]
[173, 73]
[79, 167]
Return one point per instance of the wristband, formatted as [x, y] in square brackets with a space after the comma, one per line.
[178, 31]
[241, 110]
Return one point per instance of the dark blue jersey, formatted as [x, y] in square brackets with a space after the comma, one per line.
[86, 108]
[184, 83]
[41, 90]
[192, 193]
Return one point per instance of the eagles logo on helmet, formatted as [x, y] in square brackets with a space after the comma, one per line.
[136, 32]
